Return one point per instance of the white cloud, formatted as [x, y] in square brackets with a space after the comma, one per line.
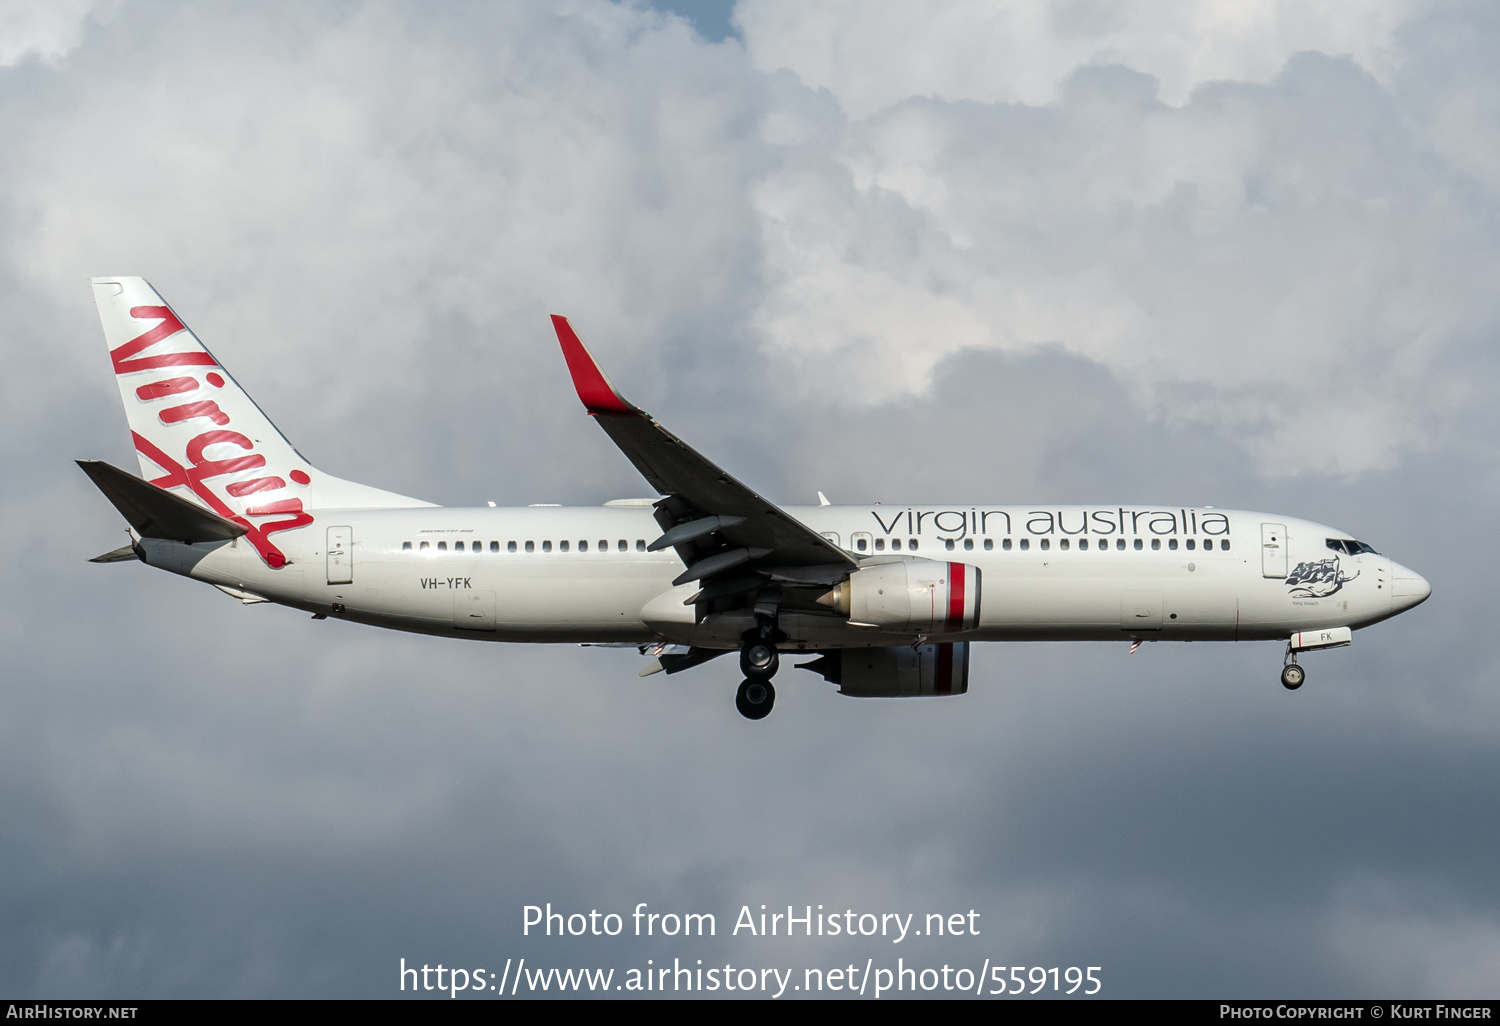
[1262, 259]
[872, 56]
[48, 29]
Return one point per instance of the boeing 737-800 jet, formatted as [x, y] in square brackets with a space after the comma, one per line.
[884, 599]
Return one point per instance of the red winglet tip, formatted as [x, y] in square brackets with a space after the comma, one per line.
[594, 389]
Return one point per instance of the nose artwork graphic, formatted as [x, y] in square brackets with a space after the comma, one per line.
[1318, 579]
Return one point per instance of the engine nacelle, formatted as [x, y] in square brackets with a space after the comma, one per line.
[899, 671]
[925, 596]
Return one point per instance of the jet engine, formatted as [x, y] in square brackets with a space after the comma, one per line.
[899, 671]
[925, 596]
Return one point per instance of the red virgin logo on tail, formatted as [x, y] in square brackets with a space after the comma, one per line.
[199, 469]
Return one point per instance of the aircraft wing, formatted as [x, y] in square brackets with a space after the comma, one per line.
[720, 528]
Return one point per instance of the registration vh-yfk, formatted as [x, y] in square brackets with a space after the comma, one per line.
[885, 600]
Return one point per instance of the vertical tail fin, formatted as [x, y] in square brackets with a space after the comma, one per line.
[198, 432]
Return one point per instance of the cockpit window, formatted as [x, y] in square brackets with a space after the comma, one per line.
[1349, 545]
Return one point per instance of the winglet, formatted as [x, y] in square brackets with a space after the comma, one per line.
[598, 395]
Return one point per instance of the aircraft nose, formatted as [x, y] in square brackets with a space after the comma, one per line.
[1408, 588]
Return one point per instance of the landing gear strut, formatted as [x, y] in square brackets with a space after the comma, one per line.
[755, 699]
[1292, 675]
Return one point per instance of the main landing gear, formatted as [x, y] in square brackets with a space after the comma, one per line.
[759, 661]
[755, 699]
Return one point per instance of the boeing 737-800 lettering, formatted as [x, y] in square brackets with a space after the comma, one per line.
[884, 600]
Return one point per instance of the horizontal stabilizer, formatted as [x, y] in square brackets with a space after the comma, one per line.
[155, 512]
[119, 555]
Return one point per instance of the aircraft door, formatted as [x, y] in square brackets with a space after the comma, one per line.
[340, 555]
[1140, 611]
[1273, 550]
[860, 541]
[474, 610]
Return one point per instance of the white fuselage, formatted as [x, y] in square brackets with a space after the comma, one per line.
[555, 574]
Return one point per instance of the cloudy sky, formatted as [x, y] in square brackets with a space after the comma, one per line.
[1183, 252]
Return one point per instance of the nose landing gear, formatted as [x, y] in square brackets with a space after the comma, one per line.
[1292, 676]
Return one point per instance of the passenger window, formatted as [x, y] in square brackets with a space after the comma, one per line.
[912, 545]
[583, 546]
[531, 546]
[1155, 544]
[1224, 544]
[547, 546]
[406, 546]
[1063, 544]
[495, 546]
[562, 546]
[458, 546]
[1083, 544]
[896, 543]
[989, 544]
[1005, 544]
[1120, 544]
[442, 546]
[1046, 544]
[832, 536]
[603, 544]
[510, 546]
[1191, 544]
[1172, 544]
[859, 544]
[621, 545]
[640, 545]
[422, 546]
[1025, 544]
[948, 544]
[1138, 545]
[968, 544]
[879, 545]
[1208, 543]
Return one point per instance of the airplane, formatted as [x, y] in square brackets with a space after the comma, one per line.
[885, 599]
